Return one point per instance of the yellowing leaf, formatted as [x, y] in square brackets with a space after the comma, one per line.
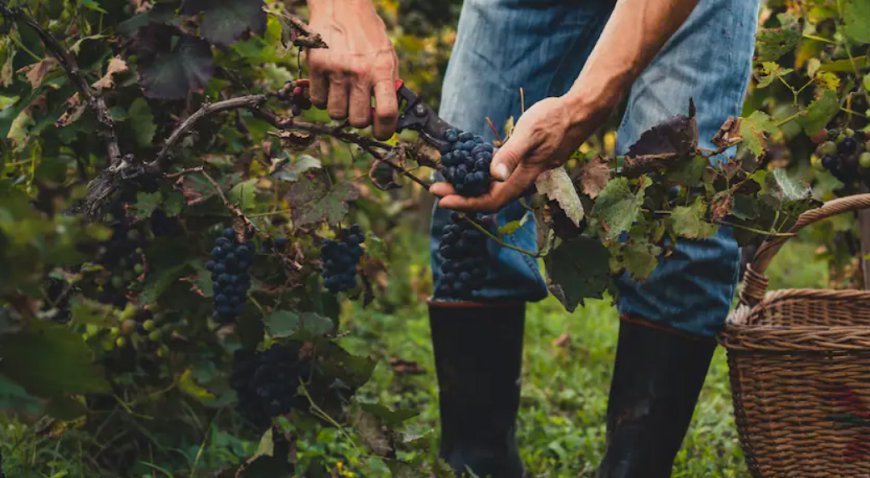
[690, 222]
[557, 186]
[189, 386]
[116, 65]
[36, 72]
[754, 130]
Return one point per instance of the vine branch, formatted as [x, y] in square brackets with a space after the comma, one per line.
[71, 67]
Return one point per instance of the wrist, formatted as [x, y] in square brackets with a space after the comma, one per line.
[591, 99]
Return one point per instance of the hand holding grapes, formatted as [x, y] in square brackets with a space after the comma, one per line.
[359, 63]
[544, 138]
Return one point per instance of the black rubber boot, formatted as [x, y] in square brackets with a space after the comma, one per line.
[657, 377]
[478, 356]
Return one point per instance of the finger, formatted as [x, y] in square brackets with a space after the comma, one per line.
[442, 189]
[319, 88]
[506, 159]
[336, 104]
[360, 114]
[498, 196]
[386, 109]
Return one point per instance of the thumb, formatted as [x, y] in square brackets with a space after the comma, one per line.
[509, 156]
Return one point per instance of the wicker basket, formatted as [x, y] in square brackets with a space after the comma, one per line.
[800, 370]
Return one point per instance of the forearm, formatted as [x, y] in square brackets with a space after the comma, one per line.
[331, 8]
[636, 31]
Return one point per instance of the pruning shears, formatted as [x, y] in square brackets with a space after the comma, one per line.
[416, 115]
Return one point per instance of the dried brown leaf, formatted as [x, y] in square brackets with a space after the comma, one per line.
[36, 72]
[729, 133]
[75, 107]
[594, 175]
[116, 65]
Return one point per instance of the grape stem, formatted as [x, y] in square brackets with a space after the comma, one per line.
[480, 227]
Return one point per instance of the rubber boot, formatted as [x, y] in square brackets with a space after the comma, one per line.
[657, 377]
[478, 356]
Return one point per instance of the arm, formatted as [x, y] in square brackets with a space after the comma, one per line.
[359, 63]
[552, 129]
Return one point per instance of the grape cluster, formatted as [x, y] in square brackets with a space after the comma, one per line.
[266, 382]
[846, 154]
[463, 253]
[297, 94]
[340, 258]
[465, 160]
[229, 275]
[122, 258]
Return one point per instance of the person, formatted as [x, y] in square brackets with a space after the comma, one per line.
[576, 60]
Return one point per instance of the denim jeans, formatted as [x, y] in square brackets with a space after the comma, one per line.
[541, 46]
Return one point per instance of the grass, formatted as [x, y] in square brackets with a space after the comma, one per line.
[568, 360]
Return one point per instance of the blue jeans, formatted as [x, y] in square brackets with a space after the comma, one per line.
[541, 46]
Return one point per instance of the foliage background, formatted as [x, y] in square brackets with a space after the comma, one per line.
[163, 408]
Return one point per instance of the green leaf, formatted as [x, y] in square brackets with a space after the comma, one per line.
[286, 323]
[14, 397]
[312, 203]
[142, 122]
[93, 5]
[689, 222]
[770, 71]
[640, 258]
[856, 16]
[244, 194]
[772, 43]
[578, 269]
[224, 21]
[7, 101]
[158, 282]
[173, 204]
[617, 207]
[49, 359]
[85, 311]
[172, 75]
[292, 170]
[820, 112]
[792, 189]
[146, 203]
[866, 82]
[754, 130]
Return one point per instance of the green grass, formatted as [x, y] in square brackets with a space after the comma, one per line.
[565, 386]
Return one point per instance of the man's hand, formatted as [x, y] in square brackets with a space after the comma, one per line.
[547, 134]
[359, 63]
[543, 138]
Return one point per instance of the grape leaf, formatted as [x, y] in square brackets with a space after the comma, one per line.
[146, 203]
[820, 112]
[677, 135]
[578, 269]
[640, 258]
[116, 65]
[224, 21]
[770, 71]
[557, 186]
[172, 74]
[313, 203]
[792, 189]
[617, 207]
[36, 72]
[287, 169]
[773, 43]
[689, 222]
[142, 122]
[287, 323]
[594, 175]
[48, 359]
[754, 130]
[856, 15]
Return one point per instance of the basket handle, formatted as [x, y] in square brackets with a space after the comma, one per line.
[755, 281]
